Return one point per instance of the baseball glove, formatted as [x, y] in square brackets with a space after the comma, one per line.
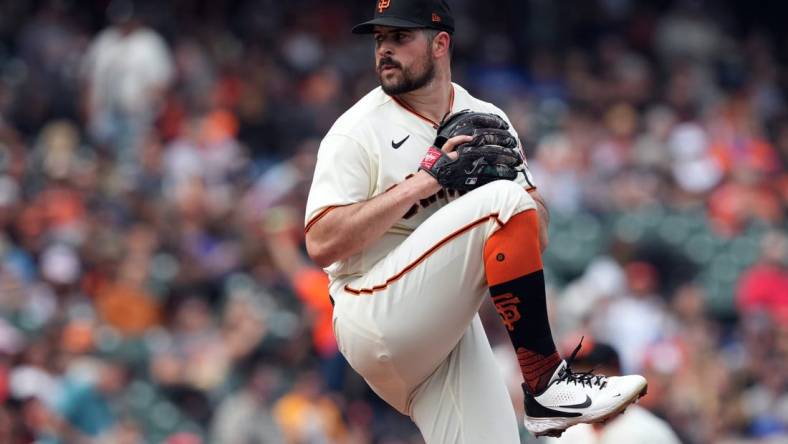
[493, 154]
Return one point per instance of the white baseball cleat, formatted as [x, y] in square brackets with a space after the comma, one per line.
[574, 398]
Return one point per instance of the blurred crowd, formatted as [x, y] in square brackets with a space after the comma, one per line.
[154, 164]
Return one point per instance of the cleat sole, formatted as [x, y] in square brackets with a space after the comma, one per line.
[557, 432]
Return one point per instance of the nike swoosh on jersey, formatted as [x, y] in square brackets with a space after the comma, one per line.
[582, 405]
[399, 144]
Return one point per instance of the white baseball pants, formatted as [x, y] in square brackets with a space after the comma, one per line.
[410, 326]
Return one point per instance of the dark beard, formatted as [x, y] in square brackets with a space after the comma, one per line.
[409, 82]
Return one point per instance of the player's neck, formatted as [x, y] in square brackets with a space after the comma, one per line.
[433, 100]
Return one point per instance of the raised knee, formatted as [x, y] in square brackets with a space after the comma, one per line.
[505, 194]
[504, 186]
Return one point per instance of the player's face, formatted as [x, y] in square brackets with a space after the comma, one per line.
[403, 59]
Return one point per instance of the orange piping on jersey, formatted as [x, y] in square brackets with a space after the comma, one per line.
[319, 216]
[327, 209]
[421, 116]
[424, 256]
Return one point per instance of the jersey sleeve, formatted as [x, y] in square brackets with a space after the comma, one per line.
[343, 176]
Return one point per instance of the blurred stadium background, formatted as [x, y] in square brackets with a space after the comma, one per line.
[154, 163]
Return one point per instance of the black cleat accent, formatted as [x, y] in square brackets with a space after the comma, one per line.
[536, 410]
[582, 405]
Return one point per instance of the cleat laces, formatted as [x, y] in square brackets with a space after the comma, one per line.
[568, 376]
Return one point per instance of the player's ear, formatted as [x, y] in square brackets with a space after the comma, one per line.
[441, 44]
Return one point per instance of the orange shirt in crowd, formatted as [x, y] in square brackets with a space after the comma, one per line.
[311, 286]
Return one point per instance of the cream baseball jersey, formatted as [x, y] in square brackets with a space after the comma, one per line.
[373, 146]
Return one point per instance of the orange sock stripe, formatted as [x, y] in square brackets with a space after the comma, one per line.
[529, 361]
[513, 251]
[540, 368]
[537, 375]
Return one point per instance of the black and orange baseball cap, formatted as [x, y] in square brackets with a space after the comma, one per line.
[434, 14]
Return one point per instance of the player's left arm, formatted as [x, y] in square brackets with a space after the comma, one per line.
[528, 183]
[544, 218]
[541, 208]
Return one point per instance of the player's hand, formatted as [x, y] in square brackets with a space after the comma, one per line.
[453, 143]
[425, 183]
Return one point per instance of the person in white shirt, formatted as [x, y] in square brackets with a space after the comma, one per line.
[126, 69]
[410, 262]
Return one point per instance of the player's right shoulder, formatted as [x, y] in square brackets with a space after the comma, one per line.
[360, 120]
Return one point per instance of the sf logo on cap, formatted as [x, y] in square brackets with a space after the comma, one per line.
[383, 4]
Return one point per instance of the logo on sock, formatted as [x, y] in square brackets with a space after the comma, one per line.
[506, 306]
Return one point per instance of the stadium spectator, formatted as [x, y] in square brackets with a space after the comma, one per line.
[127, 68]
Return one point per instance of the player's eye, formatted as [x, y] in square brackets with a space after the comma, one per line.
[396, 37]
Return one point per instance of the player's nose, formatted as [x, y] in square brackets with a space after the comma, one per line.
[385, 50]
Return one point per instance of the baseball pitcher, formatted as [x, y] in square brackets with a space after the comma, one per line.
[422, 208]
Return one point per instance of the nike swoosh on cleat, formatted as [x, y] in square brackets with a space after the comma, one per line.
[536, 410]
[399, 144]
[582, 405]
